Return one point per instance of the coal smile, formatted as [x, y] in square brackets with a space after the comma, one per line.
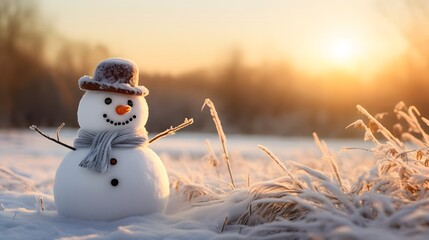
[119, 123]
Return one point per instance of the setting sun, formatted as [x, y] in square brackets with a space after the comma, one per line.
[343, 50]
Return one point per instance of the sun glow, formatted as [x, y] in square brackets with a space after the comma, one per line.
[342, 51]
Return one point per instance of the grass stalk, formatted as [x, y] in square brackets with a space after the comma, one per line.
[326, 155]
[383, 130]
[221, 134]
[279, 163]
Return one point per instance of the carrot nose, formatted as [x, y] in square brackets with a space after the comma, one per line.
[122, 109]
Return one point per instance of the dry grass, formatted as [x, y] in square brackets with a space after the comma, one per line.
[393, 194]
[222, 137]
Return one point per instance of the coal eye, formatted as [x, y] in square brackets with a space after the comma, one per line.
[130, 103]
[108, 101]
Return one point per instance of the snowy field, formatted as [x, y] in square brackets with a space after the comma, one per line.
[202, 204]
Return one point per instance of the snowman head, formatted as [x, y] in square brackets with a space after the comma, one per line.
[99, 111]
[113, 99]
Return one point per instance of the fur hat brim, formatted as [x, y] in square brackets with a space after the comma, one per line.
[86, 83]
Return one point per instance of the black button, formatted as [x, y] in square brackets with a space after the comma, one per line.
[114, 182]
[113, 161]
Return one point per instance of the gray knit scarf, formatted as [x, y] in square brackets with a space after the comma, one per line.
[101, 144]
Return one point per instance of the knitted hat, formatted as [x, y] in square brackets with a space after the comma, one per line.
[115, 75]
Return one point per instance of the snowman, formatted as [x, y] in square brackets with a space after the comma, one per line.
[112, 173]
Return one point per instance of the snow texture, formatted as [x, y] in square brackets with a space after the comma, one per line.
[380, 193]
[31, 162]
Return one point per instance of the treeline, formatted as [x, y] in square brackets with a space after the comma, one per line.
[277, 100]
[34, 89]
[39, 86]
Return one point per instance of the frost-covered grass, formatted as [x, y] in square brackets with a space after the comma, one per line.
[283, 188]
[388, 200]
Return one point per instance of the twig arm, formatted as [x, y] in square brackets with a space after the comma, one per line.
[172, 130]
[36, 129]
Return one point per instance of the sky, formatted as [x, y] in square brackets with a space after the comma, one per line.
[174, 36]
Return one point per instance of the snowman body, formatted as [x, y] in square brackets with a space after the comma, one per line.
[136, 181]
[136, 184]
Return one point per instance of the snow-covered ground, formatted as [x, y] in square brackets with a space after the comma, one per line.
[28, 163]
